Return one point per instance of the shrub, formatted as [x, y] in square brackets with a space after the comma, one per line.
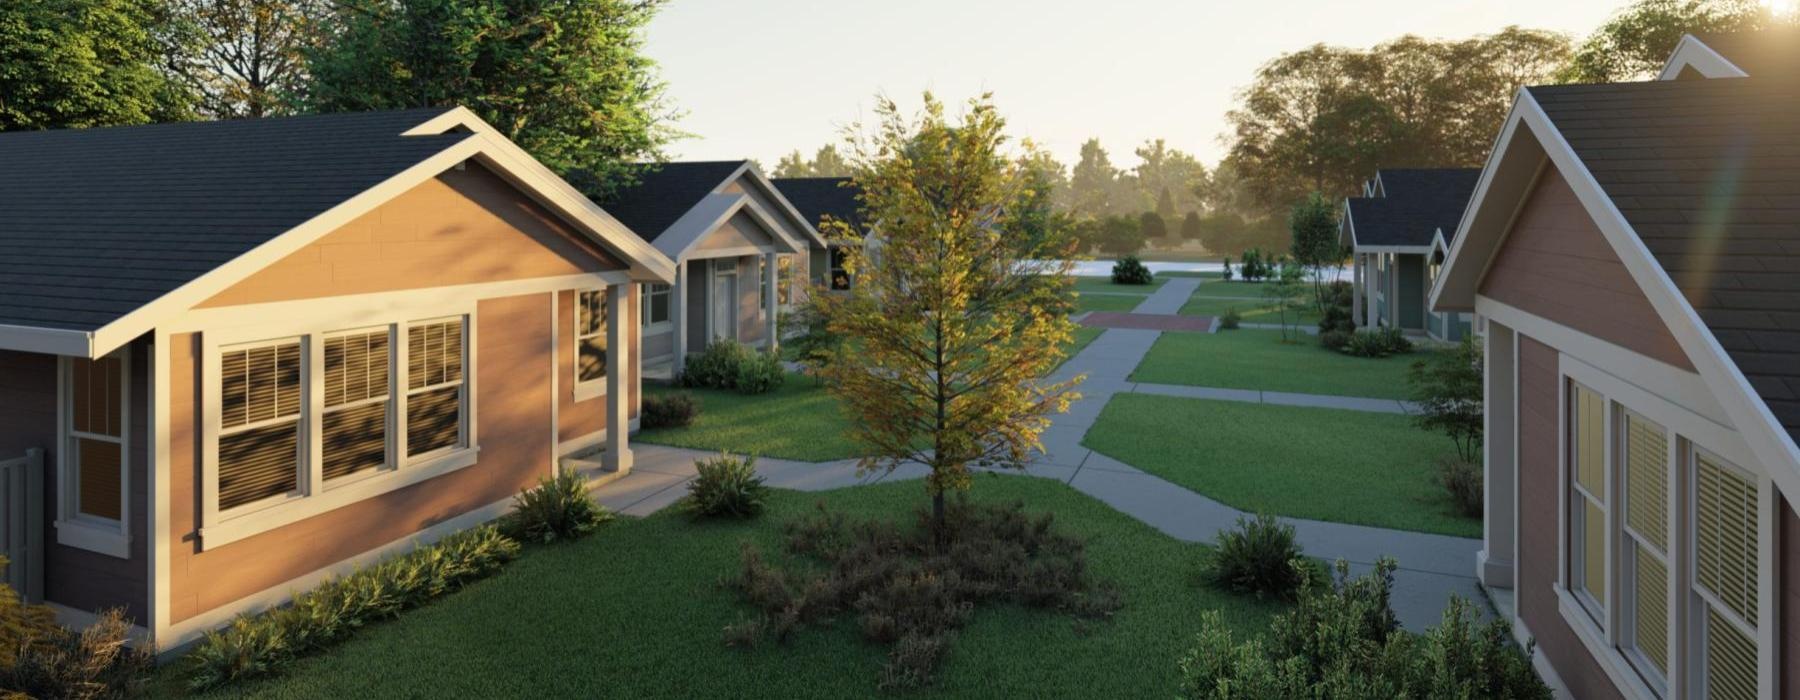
[911, 591]
[726, 486]
[559, 507]
[1227, 273]
[1130, 270]
[1337, 319]
[1261, 558]
[728, 364]
[1447, 386]
[266, 643]
[1230, 319]
[1379, 342]
[1462, 480]
[1343, 641]
[42, 659]
[1334, 340]
[676, 410]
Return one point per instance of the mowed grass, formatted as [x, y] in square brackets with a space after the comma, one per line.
[799, 421]
[1257, 359]
[1222, 288]
[1106, 302]
[635, 611]
[1316, 463]
[1105, 285]
[1250, 310]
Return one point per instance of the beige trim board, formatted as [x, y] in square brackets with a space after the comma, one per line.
[1691, 52]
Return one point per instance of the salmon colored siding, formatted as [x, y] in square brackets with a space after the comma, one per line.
[512, 371]
[463, 227]
[576, 419]
[1538, 498]
[1556, 263]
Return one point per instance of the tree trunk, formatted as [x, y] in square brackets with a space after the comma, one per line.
[940, 533]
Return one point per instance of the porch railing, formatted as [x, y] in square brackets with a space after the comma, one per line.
[22, 523]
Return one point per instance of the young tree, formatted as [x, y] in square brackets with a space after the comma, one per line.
[568, 81]
[242, 58]
[952, 324]
[1447, 386]
[82, 63]
[1314, 225]
[1287, 291]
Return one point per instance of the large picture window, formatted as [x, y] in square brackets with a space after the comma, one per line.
[260, 424]
[93, 474]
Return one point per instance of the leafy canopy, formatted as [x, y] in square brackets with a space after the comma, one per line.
[567, 81]
[1636, 42]
[84, 63]
[950, 327]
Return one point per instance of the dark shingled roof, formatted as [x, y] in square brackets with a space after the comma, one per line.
[1767, 53]
[95, 223]
[664, 192]
[815, 197]
[1419, 201]
[1708, 174]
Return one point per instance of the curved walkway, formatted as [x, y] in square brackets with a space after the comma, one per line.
[1432, 567]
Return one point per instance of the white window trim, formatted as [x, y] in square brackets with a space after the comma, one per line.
[1688, 432]
[663, 326]
[1766, 634]
[393, 402]
[1632, 539]
[586, 390]
[73, 529]
[221, 528]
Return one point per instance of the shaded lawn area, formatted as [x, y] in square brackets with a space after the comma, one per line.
[1257, 359]
[635, 610]
[798, 421]
[1106, 302]
[1252, 310]
[1315, 463]
[1105, 285]
[1221, 288]
[1203, 274]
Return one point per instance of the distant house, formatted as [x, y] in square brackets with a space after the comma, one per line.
[817, 198]
[741, 249]
[1398, 233]
[1633, 253]
[251, 354]
[1770, 53]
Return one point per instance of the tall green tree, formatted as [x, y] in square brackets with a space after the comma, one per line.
[1164, 172]
[567, 81]
[1636, 42]
[1152, 226]
[242, 58]
[1192, 229]
[1315, 247]
[1121, 235]
[826, 162]
[81, 63]
[1093, 182]
[953, 330]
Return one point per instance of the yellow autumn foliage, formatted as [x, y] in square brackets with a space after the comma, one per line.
[21, 624]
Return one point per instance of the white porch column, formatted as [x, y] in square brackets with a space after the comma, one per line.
[772, 309]
[678, 310]
[619, 298]
[1356, 290]
[1500, 468]
[1371, 279]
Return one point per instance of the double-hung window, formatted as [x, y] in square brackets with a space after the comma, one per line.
[840, 276]
[655, 308]
[309, 422]
[590, 342]
[1644, 560]
[94, 478]
[1588, 503]
[1726, 585]
[784, 279]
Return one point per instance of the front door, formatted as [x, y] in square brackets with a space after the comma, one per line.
[725, 303]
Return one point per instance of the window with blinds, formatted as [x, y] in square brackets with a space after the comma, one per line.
[1726, 576]
[656, 304]
[96, 436]
[259, 422]
[590, 335]
[1646, 539]
[1587, 499]
[434, 395]
[354, 428]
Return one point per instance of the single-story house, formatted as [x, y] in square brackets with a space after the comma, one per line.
[1632, 253]
[247, 355]
[1766, 53]
[818, 198]
[1398, 233]
[741, 253]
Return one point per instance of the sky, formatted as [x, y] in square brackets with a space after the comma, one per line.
[760, 78]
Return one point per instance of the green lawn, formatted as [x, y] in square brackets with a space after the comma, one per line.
[1208, 274]
[1221, 288]
[1105, 285]
[1251, 310]
[635, 610]
[1106, 302]
[1257, 359]
[798, 421]
[1316, 463]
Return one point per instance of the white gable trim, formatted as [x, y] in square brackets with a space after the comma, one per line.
[1693, 53]
[808, 231]
[682, 237]
[1768, 440]
[485, 146]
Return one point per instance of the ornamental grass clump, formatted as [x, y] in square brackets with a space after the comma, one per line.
[1261, 557]
[558, 508]
[267, 643]
[42, 659]
[907, 590]
[726, 487]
